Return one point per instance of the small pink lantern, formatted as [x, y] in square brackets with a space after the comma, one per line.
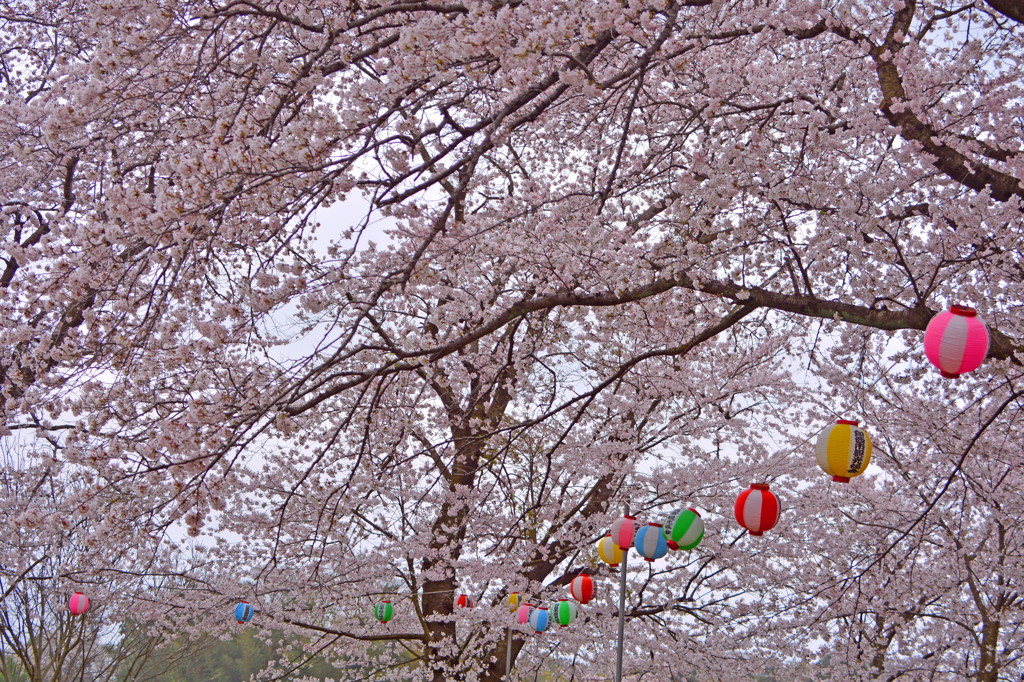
[956, 341]
[757, 509]
[523, 614]
[623, 530]
[78, 604]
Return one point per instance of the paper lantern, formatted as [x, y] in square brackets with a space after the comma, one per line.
[244, 612]
[564, 612]
[683, 529]
[609, 552]
[383, 611]
[650, 542]
[956, 341]
[843, 450]
[513, 602]
[523, 614]
[623, 530]
[464, 602]
[582, 588]
[540, 619]
[757, 509]
[79, 604]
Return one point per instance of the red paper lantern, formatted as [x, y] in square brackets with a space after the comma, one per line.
[623, 530]
[582, 588]
[79, 604]
[956, 341]
[757, 509]
[464, 602]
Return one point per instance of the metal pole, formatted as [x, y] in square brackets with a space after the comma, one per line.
[622, 610]
[622, 616]
[508, 653]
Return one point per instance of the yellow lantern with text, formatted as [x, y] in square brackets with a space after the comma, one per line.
[843, 450]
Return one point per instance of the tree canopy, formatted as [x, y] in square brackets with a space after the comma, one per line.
[318, 302]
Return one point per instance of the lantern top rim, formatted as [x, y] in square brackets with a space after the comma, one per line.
[759, 486]
[965, 311]
[694, 511]
[851, 422]
[655, 524]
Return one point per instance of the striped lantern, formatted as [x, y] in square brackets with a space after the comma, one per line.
[609, 552]
[464, 602]
[79, 604]
[582, 588]
[523, 613]
[757, 509]
[244, 612]
[650, 542]
[623, 530]
[956, 341]
[383, 611]
[513, 602]
[540, 619]
[843, 450]
[683, 529]
[563, 612]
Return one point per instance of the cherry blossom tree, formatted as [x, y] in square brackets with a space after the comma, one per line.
[589, 255]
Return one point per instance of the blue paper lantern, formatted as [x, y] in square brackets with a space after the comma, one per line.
[539, 619]
[650, 542]
[243, 612]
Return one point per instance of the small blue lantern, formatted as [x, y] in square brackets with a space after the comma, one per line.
[243, 612]
[539, 619]
[650, 542]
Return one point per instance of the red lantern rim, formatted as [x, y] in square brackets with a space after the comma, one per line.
[759, 486]
[840, 479]
[694, 511]
[672, 545]
[851, 422]
[949, 375]
[656, 525]
[627, 516]
[963, 310]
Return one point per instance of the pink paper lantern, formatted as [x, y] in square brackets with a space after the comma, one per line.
[956, 341]
[757, 509]
[623, 530]
[78, 604]
[523, 614]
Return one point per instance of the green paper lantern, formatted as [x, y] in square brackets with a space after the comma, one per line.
[563, 612]
[683, 529]
[383, 611]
